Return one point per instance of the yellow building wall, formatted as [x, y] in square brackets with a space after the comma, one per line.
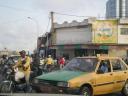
[118, 52]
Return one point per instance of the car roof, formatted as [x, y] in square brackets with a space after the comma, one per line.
[87, 57]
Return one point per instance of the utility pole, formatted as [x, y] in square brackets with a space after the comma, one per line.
[52, 30]
[52, 20]
[37, 30]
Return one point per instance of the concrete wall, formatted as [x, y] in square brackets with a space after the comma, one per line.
[118, 51]
[74, 35]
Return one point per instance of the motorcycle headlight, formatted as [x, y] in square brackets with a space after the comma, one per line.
[36, 81]
[9, 71]
[63, 84]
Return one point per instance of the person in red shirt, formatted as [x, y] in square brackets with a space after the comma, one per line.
[62, 62]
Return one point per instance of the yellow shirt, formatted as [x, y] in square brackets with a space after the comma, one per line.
[27, 64]
[49, 61]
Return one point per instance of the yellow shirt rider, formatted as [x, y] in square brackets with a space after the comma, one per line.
[49, 60]
[23, 65]
[49, 63]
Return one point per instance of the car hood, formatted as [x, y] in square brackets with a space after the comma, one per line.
[60, 75]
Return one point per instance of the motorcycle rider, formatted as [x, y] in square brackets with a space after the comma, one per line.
[23, 66]
[49, 63]
[3, 59]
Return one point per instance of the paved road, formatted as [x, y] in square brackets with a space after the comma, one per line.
[33, 94]
[116, 94]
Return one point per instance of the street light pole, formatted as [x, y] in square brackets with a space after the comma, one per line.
[37, 29]
[37, 25]
[52, 30]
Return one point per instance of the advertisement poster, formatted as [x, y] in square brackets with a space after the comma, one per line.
[105, 31]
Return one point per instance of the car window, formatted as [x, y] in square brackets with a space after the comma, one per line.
[81, 64]
[105, 66]
[118, 65]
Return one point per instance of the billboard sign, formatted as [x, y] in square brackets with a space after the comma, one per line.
[105, 31]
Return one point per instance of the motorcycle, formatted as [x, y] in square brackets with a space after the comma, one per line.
[10, 85]
[3, 75]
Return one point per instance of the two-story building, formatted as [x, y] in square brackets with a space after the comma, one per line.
[89, 37]
[74, 39]
[113, 34]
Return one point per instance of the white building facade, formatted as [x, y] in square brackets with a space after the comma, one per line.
[70, 38]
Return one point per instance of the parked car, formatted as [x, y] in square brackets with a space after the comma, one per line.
[87, 76]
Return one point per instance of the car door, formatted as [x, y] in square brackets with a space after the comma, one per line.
[119, 73]
[104, 81]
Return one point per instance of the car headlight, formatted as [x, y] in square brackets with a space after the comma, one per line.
[63, 84]
[36, 81]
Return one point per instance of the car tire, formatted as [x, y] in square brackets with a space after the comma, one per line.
[125, 89]
[86, 91]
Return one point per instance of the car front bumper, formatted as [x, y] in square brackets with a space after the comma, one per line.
[43, 88]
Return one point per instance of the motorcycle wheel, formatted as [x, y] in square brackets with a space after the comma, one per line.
[6, 87]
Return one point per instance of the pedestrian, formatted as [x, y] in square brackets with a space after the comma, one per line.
[62, 62]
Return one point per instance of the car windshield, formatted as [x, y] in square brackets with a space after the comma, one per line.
[81, 64]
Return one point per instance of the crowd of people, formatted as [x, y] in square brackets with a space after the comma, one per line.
[49, 62]
[28, 67]
[26, 64]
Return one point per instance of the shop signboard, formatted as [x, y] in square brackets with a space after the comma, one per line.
[105, 31]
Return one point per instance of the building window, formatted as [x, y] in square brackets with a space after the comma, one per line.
[80, 52]
[124, 31]
[101, 51]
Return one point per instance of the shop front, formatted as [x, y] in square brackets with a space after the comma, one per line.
[118, 50]
[79, 50]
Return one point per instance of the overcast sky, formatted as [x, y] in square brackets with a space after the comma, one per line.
[18, 32]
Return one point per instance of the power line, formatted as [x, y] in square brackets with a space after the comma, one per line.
[12, 21]
[70, 14]
[16, 9]
[76, 15]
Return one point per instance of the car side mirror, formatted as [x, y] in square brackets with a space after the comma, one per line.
[99, 71]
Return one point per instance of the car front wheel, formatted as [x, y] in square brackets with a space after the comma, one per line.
[85, 91]
[125, 89]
